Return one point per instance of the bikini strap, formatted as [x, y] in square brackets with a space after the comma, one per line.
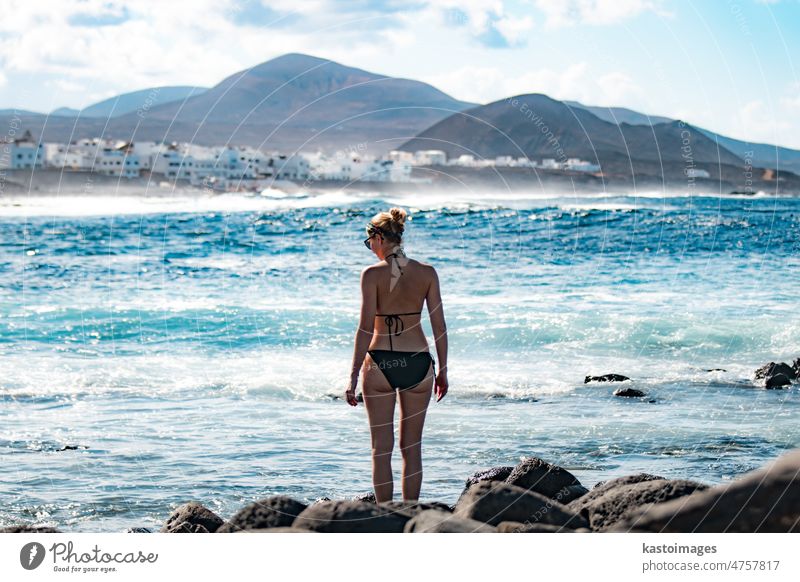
[393, 320]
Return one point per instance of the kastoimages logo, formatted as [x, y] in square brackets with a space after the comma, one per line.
[31, 555]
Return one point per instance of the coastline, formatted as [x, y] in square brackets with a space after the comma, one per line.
[533, 496]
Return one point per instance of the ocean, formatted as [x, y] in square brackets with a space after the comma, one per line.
[189, 347]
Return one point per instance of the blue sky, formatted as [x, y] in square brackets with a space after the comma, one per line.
[732, 66]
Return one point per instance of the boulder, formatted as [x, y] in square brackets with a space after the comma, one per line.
[493, 474]
[492, 502]
[351, 516]
[549, 480]
[517, 527]
[275, 511]
[603, 487]
[605, 378]
[29, 529]
[629, 393]
[776, 375]
[437, 521]
[777, 381]
[618, 502]
[192, 517]
[765, 500]
[772, 368]
[415, 508]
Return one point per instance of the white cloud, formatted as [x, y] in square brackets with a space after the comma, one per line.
[568, 12]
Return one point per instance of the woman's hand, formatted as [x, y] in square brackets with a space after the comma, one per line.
[441, 385]
[350, 393]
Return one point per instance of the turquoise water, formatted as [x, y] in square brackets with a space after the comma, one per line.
[189, 347]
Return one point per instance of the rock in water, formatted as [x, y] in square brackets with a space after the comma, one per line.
[614, 501]
[605, 378]
[275, 511]
[629, 393]
[492, 502]
[549, 480]
[777, 381]
[775, 375]
[192, 517]
[434, 520]
[368, 497]
[766, 500]
[351, 516]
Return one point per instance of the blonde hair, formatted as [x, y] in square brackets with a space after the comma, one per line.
[392, 223]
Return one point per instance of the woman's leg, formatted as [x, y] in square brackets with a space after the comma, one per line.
[413, 406]
[379, 398]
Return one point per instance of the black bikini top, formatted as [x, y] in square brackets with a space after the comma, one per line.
[393, 320]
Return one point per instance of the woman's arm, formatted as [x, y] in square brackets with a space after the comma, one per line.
[366, 328]
[439, 327]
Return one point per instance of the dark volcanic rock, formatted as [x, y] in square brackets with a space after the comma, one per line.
[629, 393]
[351, 516]
[517, 527]
[777, 381]
[192, 517]
[606, 378]
[602, 486]
[434, 520]
[493, 474]
[766, 500]
[416, 508]
[796, 368]
[275, 511]
[368, 497]
[138, 530]
[772, 369]
[29, 529]
[550, 480]
[493, 502]
[618, 502]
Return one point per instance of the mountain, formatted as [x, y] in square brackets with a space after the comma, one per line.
[65, 112]
[539, 127]
[132, 102]
[620, 114]
[292, 101]
[298, 100]
[759, 154]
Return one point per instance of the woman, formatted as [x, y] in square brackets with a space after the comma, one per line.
[391, 345]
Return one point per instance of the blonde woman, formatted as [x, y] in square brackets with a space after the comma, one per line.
[392, 353]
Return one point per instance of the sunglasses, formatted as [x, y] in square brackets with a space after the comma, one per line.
[372, 230]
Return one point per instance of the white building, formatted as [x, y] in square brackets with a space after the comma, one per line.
[430, 158]
[117, 161]
[697, 173]
[22, 153]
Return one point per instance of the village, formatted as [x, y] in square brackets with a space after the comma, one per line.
[242, 168]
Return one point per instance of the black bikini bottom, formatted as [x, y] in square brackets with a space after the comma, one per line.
[403, 370]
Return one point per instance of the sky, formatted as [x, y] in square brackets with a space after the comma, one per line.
[731, 66]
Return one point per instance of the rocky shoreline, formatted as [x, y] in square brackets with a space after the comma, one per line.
[533, 496]
[536, 496]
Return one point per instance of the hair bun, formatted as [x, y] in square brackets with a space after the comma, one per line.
[398, 215]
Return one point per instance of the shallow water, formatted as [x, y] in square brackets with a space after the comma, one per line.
[192, 344]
